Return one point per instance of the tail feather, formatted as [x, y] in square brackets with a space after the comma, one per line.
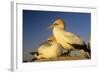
[81, 47]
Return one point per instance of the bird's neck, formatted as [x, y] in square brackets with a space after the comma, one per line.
[57, 32]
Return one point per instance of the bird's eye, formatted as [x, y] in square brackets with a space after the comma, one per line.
[50, 40]
[55, 24]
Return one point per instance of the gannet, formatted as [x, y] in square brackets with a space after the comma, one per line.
[67, 40]
[49, 49]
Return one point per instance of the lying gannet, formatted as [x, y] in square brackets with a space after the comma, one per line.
[49, 49]
[67, 40]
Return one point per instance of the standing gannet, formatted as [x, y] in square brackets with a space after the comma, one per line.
[49, 49]
[67, 40]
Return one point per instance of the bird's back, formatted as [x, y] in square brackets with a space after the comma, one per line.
[72, 38]
[49, 51]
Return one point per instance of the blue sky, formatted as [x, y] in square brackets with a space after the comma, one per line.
[36, 23]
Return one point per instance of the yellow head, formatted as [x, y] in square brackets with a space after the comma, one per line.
[52, 39]
[59, 23]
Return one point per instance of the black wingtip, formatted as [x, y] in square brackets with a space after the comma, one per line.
[33, 53]
[34, 59]
[84, 47]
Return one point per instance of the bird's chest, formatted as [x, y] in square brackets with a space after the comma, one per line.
[58, 34]
[60, 38]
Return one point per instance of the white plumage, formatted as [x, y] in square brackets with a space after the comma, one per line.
[67, 39]
[49, 49]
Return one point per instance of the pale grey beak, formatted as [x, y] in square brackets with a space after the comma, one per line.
[51, 26]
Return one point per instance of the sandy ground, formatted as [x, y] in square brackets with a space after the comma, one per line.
[61, 58]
